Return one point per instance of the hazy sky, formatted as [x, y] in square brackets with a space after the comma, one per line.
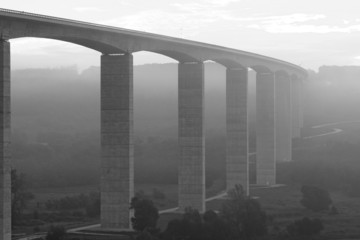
[310, 33]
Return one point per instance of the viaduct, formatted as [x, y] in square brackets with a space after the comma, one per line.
[278, 101]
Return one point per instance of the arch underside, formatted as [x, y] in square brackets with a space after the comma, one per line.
[110, 40]
[126, 44]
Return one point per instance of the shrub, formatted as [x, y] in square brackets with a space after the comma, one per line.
[193, 227]
[244, 215]
[315, 198]
[214, 227]
[145, 214]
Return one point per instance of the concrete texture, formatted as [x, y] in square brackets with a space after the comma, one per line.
[295, 96]
[117, 163]
[283, 118]
[5, 135]
[191, 136]
[301, 104]
[237, 165]
[265, 129]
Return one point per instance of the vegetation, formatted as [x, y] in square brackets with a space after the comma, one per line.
[145, 214]
[241, 218]
[20, 197]
[333, 165]
[193, 226]
[244, 215]
[90, 202]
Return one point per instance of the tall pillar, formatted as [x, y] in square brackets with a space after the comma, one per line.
[117, 176]
[283, 118]
[295, 96]
[301, 105]
[265, 129]
[237, 165]
[191, 136]
[5, 135]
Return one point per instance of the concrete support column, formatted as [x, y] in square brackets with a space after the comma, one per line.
[117, 176]
[283, 117]
[237, 165]
[265, 129]
[5, 141]
[301, 105]
[191, 136]
[295, 96]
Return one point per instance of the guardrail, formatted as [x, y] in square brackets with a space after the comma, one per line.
[63, 19]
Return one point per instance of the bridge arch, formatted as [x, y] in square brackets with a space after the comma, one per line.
[283, 73]
[98, 46]
[261, 69]
[178, 56]
[227, 63]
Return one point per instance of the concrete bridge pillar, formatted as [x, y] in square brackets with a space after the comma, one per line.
[265, 128]
[191, 136]
[283, 118]
[296, 108]
[5, 139]
[117, 164]
[237, 166]
[301, 104]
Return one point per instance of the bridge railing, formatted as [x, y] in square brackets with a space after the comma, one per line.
[65, 20]
[151, 35]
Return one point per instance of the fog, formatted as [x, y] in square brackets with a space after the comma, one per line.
[61, 106]
[56, 131]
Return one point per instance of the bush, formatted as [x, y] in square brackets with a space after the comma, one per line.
[315, 198]
[305, 227]
[193, 227]
[214, 227]
[145, 214]
[244, 215]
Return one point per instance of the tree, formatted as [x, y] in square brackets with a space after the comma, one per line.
[315, 198]
[145, 214]
[192, 224]
[214, 227]
[174, 230]
[19, 196]
[244, 215]
[194, 227]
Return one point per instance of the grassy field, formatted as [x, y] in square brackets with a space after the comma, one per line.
[44, 194]
[283, 205]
